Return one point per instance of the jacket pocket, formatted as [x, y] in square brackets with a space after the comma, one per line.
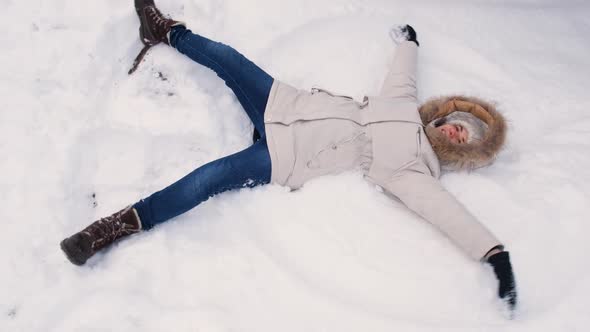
[417, 154]
[339, 155]
[315, 90]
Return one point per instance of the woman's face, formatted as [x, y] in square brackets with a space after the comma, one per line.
[454, 132]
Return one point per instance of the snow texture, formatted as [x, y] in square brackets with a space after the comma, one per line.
[80, 139]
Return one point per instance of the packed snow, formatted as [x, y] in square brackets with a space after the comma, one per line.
[80, 139]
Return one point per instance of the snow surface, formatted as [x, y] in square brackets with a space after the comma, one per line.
[80, 139]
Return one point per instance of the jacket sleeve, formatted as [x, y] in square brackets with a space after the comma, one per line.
[400, 81]
[425, 196]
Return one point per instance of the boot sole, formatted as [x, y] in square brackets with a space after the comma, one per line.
[144, 40]
[66, 251]
[140, 4]
[142, 34]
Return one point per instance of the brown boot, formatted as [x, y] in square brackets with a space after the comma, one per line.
[154, 27]
[84, 244]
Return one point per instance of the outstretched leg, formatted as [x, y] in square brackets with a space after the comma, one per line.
[245, 169]
[248, 168]
[250, 83]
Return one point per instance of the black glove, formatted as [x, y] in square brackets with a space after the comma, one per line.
[506, 285]
[410, 34]
[403, 32]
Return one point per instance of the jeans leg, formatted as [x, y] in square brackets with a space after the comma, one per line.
[246, 169]
[250, 83]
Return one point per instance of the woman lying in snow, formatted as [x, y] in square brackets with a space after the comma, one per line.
[398, 145]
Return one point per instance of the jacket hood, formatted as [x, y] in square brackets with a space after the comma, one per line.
[468, 156]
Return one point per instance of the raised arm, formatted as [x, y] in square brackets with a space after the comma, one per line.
[425, 195]
[401, 79]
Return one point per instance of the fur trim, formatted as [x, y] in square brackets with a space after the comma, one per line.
[464, 156]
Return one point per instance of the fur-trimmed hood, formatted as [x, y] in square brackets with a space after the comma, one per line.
[464, 156]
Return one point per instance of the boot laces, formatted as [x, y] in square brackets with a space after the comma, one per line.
[157, 17]
[108, 229]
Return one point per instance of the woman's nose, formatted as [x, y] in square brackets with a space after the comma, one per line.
[452, 132]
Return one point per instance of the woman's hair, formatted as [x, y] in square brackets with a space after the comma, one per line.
[478, 153]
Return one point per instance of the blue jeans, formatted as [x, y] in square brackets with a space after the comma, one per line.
[247, 168]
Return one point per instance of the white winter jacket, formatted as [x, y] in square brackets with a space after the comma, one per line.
[310, 134]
